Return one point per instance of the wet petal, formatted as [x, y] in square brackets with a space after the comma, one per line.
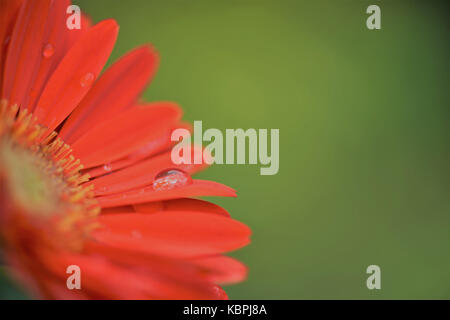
[141, 174]
[75, 74]
[198, 188]
[116, 89]
[24, 53]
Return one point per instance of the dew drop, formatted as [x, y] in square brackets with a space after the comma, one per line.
[87, 79]
[169, 179]
[107, 167]
[48, 51]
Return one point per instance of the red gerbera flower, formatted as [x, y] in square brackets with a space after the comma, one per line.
[86, 177]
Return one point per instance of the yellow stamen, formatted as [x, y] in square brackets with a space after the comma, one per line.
[43, 177]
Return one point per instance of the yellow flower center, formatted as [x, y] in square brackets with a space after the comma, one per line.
[40, 175]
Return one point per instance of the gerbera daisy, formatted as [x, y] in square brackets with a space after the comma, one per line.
[86, 177]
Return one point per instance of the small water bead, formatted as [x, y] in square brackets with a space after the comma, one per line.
[107, 167]
[48, 51]
[170, 179]
[87, 79]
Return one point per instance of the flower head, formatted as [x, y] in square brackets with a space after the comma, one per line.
[86, 177]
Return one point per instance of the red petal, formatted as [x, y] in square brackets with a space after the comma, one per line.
[8, 15]
[56, 40]
[25, 51]
[195, 205]
[149, 207]
[170, 278]
[111, 273]
[93, 271]
[116, 89]
[222, 269]
[220, 293]
[75, 34]
[141, 174]
[114, 210]
[155, 146]
[198, 188]
[124, 133]
[175, 234]
[74, 75]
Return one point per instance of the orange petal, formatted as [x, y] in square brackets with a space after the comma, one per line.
[126, 132]
[114, 210]
[186, 204]
[163, 277]
[116, 89]
[174, 234]
[222, 269]
[75, 74]
[54, 48]
[75, 34]
[25, 51]
[198, 188]
[141, 174]
[157, 145]
[8, 14]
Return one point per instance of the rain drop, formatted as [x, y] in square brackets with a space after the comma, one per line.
[48, 51]
[169, 179]
[107, 167]
[87, 79]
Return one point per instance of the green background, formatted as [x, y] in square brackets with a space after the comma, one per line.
[364, 133]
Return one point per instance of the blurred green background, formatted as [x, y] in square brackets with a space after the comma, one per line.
[364, 133]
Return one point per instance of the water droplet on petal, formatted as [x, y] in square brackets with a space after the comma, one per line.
[107, 167]
[87, 79]
[169, 179]
[48, 51]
